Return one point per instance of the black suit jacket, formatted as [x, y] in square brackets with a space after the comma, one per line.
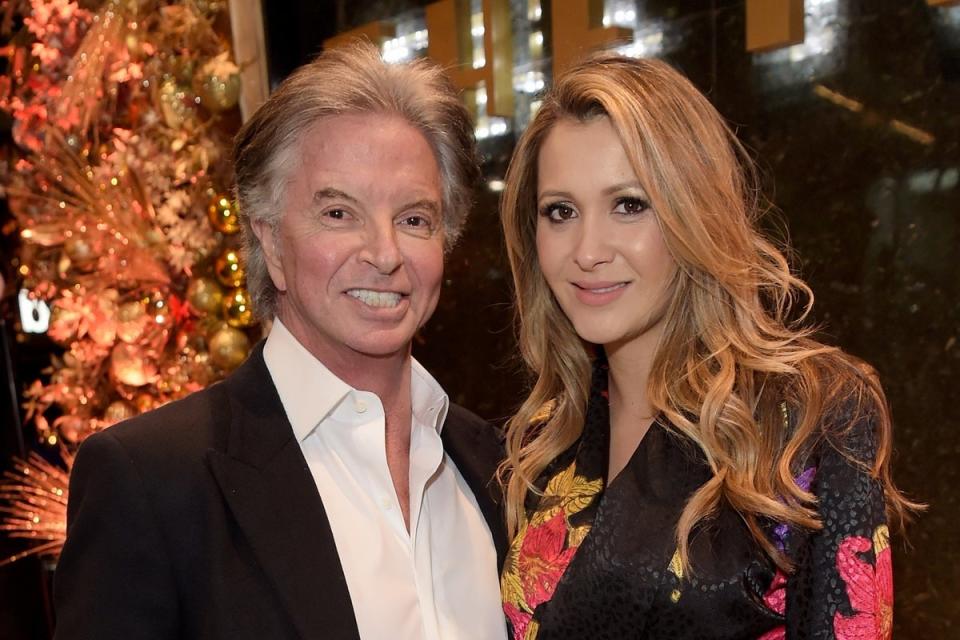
[202, 520]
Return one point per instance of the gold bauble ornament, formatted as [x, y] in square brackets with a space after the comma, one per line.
[64, 324]
[132, 321]
[79, 250]
[134, 46]
[238, 308]
[129, 366]
[117, 411]
[218, 92]
[145, 402]
[229, 269]
[228, 348]
[205, 295]
[223, 214]
[172, 103]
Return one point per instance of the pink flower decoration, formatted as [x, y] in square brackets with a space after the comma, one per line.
[870, 590]
[542, 559]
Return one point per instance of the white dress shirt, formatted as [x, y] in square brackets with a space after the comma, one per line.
[439, 580]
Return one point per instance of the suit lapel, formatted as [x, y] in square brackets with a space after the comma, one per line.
[474, 447]
[271, 493]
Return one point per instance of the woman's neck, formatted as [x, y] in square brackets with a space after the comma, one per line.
[630, 363]
[631, 413]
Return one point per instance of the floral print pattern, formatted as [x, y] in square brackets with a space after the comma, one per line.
[543, 548]
[869, 588]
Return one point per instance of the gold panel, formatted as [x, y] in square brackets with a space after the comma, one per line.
[578, 28]
[772, 24]
[376, 32]
[451, 46]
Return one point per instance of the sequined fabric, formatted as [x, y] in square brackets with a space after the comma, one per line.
[609, 568]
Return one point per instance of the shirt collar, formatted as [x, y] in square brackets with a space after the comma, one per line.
[430, 402]
[309, 391]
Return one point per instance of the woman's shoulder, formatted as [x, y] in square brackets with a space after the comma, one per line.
[838, 401]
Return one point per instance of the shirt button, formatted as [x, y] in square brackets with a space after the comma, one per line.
[361, 406]
[386, 503]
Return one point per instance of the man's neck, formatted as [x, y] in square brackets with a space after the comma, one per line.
[389, 377]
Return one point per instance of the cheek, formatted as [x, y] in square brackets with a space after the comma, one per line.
[648, 254]
[428, 265]
[548, 253]
[314, 265]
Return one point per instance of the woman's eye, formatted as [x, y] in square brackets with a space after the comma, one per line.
[631, 206]
[558, 212]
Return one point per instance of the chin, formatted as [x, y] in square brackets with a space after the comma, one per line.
[598, 335]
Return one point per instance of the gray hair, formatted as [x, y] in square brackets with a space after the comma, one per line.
[348, 80]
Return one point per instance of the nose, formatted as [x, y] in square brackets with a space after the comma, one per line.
[593, 245]
[381, 248]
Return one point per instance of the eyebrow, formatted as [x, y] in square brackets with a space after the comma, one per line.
[333, 194]
[425, 203]
[336, 194]
[623, 186]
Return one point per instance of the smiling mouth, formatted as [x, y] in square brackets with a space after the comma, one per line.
[604, 289]
[380, 299]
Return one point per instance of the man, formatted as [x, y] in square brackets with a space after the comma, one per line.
[309, 495]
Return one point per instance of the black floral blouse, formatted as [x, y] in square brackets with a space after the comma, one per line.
[599, 561]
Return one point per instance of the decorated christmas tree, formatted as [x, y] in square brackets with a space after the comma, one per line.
[119, 185]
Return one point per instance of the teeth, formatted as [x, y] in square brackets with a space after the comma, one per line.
[608, 289]
[376, 298]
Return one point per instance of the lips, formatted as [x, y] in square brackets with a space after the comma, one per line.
[599, 293]
[378, 299]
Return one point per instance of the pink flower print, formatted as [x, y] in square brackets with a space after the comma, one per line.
[869, 588]
[519, 620]
[543, 559]
[776, 600]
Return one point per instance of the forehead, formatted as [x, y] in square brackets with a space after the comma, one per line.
[367, 155]
[585, 153]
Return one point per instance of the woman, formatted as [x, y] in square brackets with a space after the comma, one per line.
[690, 462]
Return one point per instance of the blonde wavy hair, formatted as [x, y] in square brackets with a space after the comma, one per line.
[735, 351]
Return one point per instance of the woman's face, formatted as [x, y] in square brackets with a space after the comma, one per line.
[599, 242]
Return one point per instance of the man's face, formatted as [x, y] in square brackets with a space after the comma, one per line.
[358, 255]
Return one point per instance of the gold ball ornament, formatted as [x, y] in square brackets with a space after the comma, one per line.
[64, 324]
[229, 269]
[205, 295]
[173, 106]
[223, 214]
[238, 308]
[79, 250]
[117, 411]
[217, 92]
[132, 321]
[129, 366]
[228, 348]
[145, 402]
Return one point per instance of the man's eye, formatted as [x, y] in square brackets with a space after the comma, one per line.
[417, 222]
[336, 214]
[558, 212]
[631, 206]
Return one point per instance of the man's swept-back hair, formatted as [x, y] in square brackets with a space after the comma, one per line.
[353, 79]
[737, 370]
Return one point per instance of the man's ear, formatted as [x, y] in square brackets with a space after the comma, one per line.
[270, 245]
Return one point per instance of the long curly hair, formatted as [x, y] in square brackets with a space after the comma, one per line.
[736, 349]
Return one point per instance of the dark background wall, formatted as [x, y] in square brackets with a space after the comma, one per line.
[870, 200]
